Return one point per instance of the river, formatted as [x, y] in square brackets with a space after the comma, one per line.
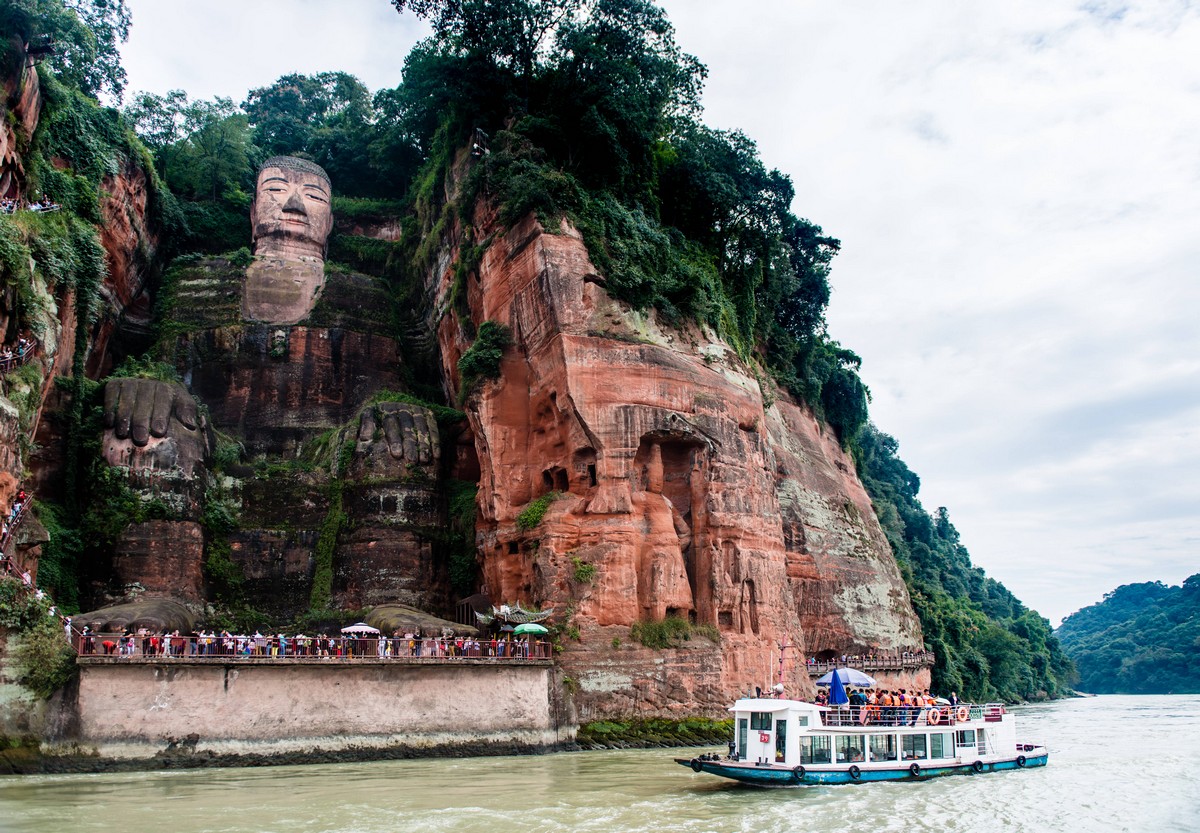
[1116, 764]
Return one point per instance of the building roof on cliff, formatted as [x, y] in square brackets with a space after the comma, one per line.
[513, 615]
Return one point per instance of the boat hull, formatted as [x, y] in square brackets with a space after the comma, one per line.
[779, 776]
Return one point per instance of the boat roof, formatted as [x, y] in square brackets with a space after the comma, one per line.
[773, 704]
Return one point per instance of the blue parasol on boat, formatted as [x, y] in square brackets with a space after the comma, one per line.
[837, 692]
[849, 676]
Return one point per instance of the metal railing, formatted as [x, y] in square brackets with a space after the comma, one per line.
[18, 356]
[873, 662]
[909, 715]
[9, 529]
[222, 648]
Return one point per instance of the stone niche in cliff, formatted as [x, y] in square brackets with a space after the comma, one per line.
[681, 489]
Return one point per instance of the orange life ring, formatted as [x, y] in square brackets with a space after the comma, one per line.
[935, 717]
[963, 714]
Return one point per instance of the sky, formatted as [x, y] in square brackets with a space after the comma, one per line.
[1016, 187]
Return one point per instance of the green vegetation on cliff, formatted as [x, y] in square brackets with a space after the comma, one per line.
[1141, 639]
[43, 660]
[85, 35]
[592, 112]
[52, 265]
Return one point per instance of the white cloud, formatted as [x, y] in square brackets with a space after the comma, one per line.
[1016, 189]
[228, 47]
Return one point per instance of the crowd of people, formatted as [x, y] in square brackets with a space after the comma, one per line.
[873, 658]
[12, 206]
[13, 517]
[147, 644]
[14, 355]
[899, 707]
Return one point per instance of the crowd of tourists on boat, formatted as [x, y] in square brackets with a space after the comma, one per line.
[899, 707]
[145, 644]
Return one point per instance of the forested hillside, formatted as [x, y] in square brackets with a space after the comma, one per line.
[587, 111]
[1141, 639]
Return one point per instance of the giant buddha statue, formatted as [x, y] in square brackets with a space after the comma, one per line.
[277, 355]
[291, 218]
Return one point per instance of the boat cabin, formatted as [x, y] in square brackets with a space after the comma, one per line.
[790, 733]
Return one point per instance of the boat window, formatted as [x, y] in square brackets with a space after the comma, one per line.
[883, 747]
[966, 737]
[760, 721]
[801, 720]
[780, 741]
[941, 745]
[850, 749]
[913, 747]
[814, 749]
[743, 732]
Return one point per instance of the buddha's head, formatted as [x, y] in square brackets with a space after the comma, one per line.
[291, 215]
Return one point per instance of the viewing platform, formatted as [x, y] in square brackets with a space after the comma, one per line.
[129, 649]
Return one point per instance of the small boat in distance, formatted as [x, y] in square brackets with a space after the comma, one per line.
[780, 742]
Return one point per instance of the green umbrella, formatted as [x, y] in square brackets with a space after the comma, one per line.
[529, 627]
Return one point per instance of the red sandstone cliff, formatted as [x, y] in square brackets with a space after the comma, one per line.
[688, 493]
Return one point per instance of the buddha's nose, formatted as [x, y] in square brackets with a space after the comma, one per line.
[296, 204]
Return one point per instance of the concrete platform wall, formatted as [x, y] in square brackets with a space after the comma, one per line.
[131, 710]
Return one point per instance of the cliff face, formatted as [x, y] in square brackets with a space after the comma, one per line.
[682, 492]
[130, 245]
[23, 100]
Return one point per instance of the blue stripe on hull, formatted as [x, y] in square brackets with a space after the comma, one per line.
[772, 777]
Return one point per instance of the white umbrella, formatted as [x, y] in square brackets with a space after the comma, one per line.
[361, 629]
[848, 676]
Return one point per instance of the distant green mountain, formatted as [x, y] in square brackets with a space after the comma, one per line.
[1142, 639]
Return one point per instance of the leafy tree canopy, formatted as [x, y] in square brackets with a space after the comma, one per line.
[84, 35]
[593, 112]
[1141, 639]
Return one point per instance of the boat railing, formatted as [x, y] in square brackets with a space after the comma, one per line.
[935, 715]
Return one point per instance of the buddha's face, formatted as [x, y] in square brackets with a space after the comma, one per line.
[291, 213]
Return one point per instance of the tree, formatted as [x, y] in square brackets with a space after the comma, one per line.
[361, 141]
[84, 35]
[511, 34]
[1140, 639]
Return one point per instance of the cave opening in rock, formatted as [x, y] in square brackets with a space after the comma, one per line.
[555, 479]
[584, 466]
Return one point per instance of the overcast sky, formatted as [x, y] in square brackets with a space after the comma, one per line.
[1017, 191]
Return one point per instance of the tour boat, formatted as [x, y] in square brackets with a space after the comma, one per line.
[779, 742]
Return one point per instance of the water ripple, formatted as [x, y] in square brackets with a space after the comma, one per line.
[1117, 764]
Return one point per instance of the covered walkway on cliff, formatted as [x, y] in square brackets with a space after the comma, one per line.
[899, 661]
